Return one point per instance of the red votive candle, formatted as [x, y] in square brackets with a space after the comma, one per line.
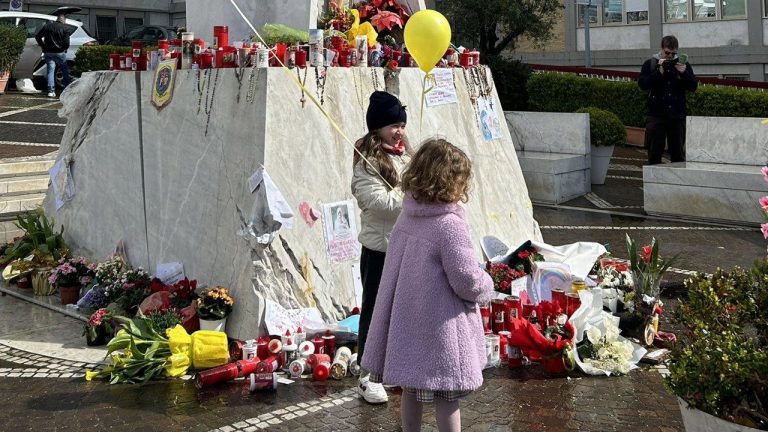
[216, 375]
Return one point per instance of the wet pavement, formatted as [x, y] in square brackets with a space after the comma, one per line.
[43, 354]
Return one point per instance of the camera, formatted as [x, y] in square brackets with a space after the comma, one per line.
[669, 64]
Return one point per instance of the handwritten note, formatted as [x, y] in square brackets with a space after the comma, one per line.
[444, 90]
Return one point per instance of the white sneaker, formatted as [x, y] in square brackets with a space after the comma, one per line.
[51, 94]
[373, 393]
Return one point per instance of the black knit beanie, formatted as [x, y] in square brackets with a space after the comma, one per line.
[384, 110]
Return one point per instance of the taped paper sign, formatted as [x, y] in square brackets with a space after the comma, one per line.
[341, 231]
[444, 90]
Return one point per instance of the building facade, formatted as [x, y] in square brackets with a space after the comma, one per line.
[723, 38]
[107, 19]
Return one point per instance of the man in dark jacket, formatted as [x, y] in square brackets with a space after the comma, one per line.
[666, 78]
[53, 39]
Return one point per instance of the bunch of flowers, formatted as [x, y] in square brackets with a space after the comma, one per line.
[502, 276]
[181, 293]
[108, 273]
[611, 277]
[764, 204]
[647, 269]
[337, 17]
[133, 288]
[215, 304]
[98, 325]
[164, 317]
[605, 351]
[94, 298]
[383, 14]
[72, 272]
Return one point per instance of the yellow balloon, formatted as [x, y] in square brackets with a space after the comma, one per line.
[427, 37]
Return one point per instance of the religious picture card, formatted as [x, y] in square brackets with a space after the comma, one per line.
[488, 119]
[341, 231]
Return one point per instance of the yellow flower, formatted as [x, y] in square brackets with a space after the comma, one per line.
[89, 374]
[366, 29]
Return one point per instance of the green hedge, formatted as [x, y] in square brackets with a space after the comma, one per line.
[605, 127]
[510, 77]
[94, 58]
[552, 92]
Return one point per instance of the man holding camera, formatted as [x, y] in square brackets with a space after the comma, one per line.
[666, 77]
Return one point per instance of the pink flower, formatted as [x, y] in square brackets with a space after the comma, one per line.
[764, 228]
[765, 173]
[764, 203]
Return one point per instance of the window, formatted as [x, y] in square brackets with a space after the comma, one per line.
[615, 12]
[34, 25]
[734, 8]
[131, 23]
[704, 10]
[106, 28]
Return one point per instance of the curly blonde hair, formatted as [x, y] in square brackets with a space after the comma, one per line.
[439, 172]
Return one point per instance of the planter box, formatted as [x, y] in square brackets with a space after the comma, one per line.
[699, 421]
[635, 136]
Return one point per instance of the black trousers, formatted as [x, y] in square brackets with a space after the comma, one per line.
[660, 131]
[371, 266]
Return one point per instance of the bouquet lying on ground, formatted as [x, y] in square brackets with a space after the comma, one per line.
[605, 351]
[139, 353]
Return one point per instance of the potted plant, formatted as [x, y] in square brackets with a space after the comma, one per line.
[37, 251]
[12, 40]
[98, 328]
[643, 303]
[70, 276]
[213, 307]
[606, 131]
[719, 366]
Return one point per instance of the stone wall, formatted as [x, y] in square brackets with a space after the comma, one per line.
[130, 159]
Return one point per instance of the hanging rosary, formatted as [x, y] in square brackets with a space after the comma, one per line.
[239, 73]
[251, 95]
[471, 90]
[303, 99]
[209, 102]
[375, 79]
[320, 83]
[204, 81]
[479, 76]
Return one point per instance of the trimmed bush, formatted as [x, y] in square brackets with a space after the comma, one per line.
[510, 78]
[605, 127]
[95, 58]
[12, 40]
[553, 92]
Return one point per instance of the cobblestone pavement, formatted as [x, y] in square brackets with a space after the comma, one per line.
[42, 353]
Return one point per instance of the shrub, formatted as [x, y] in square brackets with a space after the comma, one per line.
[605, 128]
[553, 92]
[95, 58]
[720, 361]
[12, 40]
[510, 78]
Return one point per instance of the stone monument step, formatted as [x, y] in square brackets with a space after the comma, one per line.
[10, 206]
[9, 231]
[25, 167]
[23, 184]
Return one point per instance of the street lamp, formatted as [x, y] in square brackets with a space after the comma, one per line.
[587, 50]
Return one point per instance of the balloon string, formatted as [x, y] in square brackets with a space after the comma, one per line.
[312, 98]
[424, 91]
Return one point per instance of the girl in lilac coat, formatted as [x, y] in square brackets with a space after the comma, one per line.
[426, 333]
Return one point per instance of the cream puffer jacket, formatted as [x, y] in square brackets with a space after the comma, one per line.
[379, 205]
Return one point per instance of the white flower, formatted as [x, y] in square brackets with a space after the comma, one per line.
[594, 335]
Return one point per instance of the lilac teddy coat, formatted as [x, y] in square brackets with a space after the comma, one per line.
[426, 331]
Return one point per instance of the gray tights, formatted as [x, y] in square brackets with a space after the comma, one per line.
[447, 413]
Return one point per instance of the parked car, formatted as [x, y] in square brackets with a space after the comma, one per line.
[31, 65]
[147, 34]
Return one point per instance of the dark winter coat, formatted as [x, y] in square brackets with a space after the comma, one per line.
[666, 92]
